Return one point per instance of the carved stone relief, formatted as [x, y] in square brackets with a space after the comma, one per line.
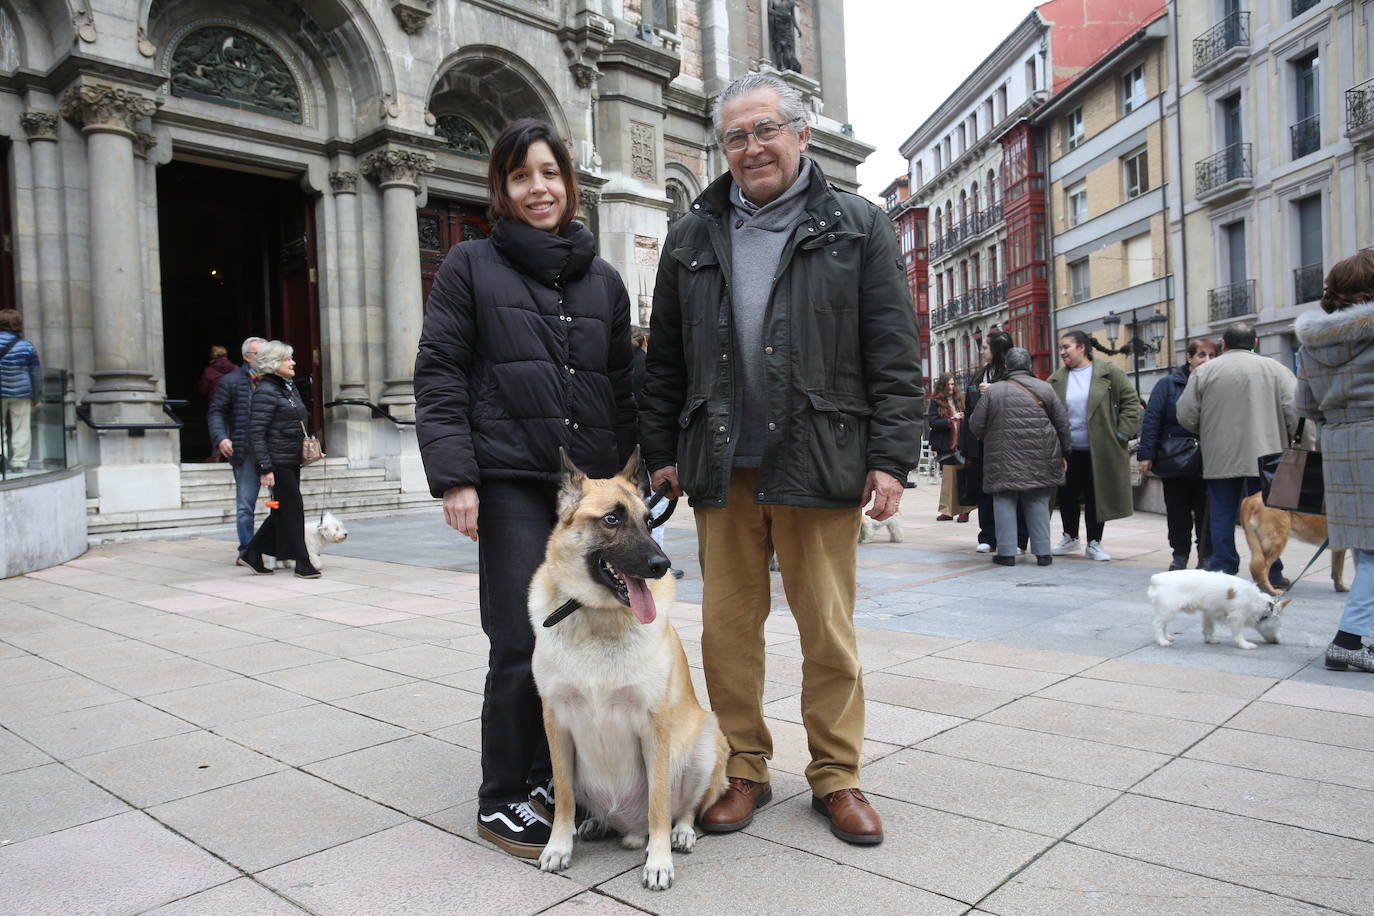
[460, 136]
[344, 182]
[99, 106]
[397, 166]
[642, 151]
[230, 67]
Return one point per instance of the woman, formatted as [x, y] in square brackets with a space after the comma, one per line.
[944, 419]
[525, 351]
[1025, 433]
[1185, 496]
[994, 352]
[1336, 389]
[276, 429]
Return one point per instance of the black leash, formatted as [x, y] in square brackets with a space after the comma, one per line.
[1305, 568]
[565, 609]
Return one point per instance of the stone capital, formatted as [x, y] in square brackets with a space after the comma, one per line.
[412, 14]
[144, 141]
[103, 107]
[344, 181]
[39, 125]
[392, 167]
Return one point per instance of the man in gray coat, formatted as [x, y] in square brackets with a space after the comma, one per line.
[1241, 407]
[1025, 432]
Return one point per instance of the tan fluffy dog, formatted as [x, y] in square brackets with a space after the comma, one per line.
[627, 738]
[1267, 532]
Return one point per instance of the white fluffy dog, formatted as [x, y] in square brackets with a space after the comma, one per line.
[1218, 597]
[328, 530]
[869, 529]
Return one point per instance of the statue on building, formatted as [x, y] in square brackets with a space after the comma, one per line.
[784, 29]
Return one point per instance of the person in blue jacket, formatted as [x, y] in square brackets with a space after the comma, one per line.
[21, 386]
[1185, 498]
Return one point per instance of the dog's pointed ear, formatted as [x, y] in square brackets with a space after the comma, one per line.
[632, 473]
[570, 493]
[1282, 604]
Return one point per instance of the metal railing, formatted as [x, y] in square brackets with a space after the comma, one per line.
[83, 412]
[1306, 136]
[1298, 7]
[970, 303]
[377, 410]
[966, 229]
[1230, 164]
[1359, 106]
[1231, 32]
[1232, 301]
[1307, 283]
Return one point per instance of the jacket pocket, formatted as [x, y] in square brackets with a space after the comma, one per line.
[699, 294]
[837, 450]
[695, 455]
[835, 260]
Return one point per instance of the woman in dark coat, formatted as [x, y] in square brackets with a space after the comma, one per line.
[525, 351]
[994, 352]
[276, 429]
[1185, 497]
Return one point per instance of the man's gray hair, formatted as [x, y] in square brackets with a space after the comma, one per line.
[243, 350]
[1018, 359]
[790, 104]
[271, 356]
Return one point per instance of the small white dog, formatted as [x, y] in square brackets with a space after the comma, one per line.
[869, 529]
[1218, 597]
[328, 530]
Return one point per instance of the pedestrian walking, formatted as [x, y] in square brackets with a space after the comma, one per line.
[276, 431]
[1336, 389]
[783, 394]
[1104, 416]
[229, 419]
[21, 387]
[1025, 433]
[1241, 407]
[1185, 494]
[525, 351]
[993, 352]
[945, 422]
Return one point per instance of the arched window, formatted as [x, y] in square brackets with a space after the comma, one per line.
[963, 206]
[677, 200]
[940, 359]
[460, 136]
[993, 193]
[230, 67]
[939, 223]
[974, 198]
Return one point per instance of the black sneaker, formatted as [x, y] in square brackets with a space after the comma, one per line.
[253, 560]
[305, 571]
[517, 827]
[1179, 562]
[541, 796]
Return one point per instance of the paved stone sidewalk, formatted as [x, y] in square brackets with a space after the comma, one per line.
[178, 736]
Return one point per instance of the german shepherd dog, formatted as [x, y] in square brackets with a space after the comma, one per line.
[1267, 531]
[627, 738]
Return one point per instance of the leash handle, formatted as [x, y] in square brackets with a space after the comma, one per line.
[1305, 568]
[657, 498]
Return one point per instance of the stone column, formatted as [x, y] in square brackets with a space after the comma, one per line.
[350, 427]
[41, 128]
[134, 472]
[397, 172]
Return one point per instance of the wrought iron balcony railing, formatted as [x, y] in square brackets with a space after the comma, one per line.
[1232, 301]
[1359, 107]
[1306, 136]
[1307, 283]
[1298, 7]
[1212, 45]
[965, 230]
[1231, 164]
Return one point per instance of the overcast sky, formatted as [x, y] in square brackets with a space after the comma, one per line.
[904, 58]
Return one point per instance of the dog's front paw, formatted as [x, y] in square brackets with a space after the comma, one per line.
[1244, 644]
[684, 838]
[593, 829]
[1210, 640]
[555, 857]
[1165, 641]
[1342, 587]
[658, 876]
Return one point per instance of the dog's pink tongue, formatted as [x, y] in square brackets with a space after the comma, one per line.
[641, 601]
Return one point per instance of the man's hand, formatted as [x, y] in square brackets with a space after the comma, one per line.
[267, 480]
[886, 492]
[669, 475]
[226, 448]
[1145, 466]
[460, 510]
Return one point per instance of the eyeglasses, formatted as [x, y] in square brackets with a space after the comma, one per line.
[736, 140]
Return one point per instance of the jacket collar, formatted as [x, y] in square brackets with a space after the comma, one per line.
[1180, 374]
[543, 256]
[822, 207]
[1317, 328]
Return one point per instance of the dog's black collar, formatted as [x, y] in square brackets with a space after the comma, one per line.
[564, 610]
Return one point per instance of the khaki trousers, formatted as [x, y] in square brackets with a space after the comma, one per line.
[816, 553]
[18, 441]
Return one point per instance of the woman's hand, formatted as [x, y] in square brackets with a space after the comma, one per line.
[958, 415]
[1145, 466]
[460, 510]
[267, 480]
[984, 386]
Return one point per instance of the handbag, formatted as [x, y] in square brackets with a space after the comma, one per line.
[952, 455]
[1292, 479]
[310, 448]
[1178, 456]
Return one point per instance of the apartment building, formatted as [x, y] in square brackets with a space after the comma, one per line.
[913, 234]
[1106, 140]
[1276, 113]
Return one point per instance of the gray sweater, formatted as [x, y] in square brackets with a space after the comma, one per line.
[757, 238]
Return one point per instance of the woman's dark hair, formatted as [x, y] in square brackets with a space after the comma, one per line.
[1350, 282]
[999, 342]
[11, 320]
[1198, 343]
[1084, 340]
[941, 389]
[508, 153]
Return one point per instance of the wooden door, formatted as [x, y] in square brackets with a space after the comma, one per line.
[442, 225]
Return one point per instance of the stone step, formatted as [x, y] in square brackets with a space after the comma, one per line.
[102, 526]
[202, 496]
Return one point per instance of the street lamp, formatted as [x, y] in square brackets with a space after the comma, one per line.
[1159, 325]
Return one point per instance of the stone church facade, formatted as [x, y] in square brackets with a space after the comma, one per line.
[182, 173]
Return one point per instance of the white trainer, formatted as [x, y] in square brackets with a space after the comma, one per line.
[1065, 547]
[1094, 551]
[984, 548]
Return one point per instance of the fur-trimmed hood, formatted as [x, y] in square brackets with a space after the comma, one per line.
[1336, 338]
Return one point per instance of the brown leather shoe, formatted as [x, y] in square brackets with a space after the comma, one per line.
[735, 808]
[852, 818]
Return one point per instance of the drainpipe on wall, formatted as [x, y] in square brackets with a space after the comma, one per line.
[1174, 198]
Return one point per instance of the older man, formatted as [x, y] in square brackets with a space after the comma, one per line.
[1241, 406]
[783, 393]
[228, 419]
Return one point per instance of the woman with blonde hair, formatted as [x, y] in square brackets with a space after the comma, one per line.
[1336, 389]
[945, 419]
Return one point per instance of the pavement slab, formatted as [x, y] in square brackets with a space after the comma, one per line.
[333, 679]
[226, 701]
[99, 728]
[44, 799]
[418, 774]
[1107, 726]
[310, 733]
[243, 897]
[1288, 757]
[170, 768]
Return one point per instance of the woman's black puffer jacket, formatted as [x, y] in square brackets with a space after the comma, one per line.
[525, 349]
[275, 430]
